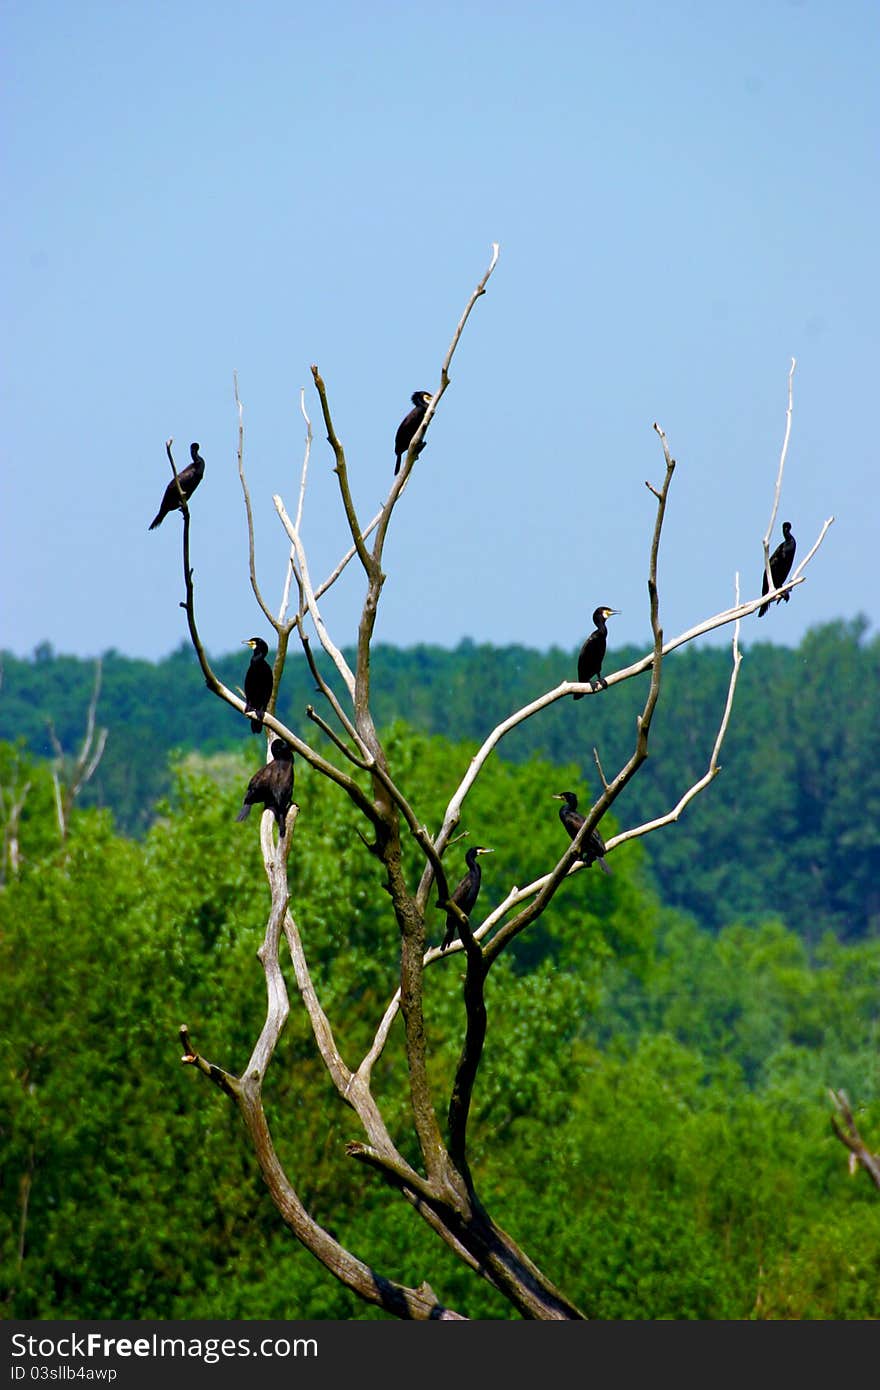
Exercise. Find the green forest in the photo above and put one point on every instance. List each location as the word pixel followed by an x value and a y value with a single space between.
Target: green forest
pixel 652 1117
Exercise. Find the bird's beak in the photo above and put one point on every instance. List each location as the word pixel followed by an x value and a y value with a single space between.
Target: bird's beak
pixel 247 642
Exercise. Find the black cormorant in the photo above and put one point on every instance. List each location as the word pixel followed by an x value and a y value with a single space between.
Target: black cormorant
pixel 272 785
pixel 781 562
pixel 189 480
pixel 257 682
pixel 408 426
pixel 464 895
pixel 592 653
pixel 593 847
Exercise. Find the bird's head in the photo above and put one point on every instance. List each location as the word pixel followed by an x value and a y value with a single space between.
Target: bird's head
pixel 421 398
pixel 569 798
pixel 786 529
pixel 281 751
pixel 193 452
pixel 256 645
pixel 603 613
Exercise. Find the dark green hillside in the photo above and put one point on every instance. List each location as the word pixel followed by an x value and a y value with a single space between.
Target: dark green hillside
pixel 791 826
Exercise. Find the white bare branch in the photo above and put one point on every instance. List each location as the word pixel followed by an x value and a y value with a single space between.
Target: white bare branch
pixel 252 564
pixel 559 692
pixel 712 770
pixel 326 640
pixel 778 489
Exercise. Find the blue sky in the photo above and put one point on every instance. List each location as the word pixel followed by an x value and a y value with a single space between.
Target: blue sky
pixel 686 197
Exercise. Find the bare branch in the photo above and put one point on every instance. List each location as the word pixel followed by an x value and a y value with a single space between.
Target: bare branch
pixel 305 466
pixel 330 697
pixel 341 471
pixel 399 482
pixel 327 642
pixel 566 688
pixel 79 770
pixel 712 770
pixel 778 489
pixel 252 568
pixel 509 930
pixel 848 1135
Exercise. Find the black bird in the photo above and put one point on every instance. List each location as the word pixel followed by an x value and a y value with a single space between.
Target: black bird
pixel 272 785
pixel 593 847
pixel 408 426
pixel 189 480
pixel 592 653
pixel 464 895
pixel 257 682
pixel 781 562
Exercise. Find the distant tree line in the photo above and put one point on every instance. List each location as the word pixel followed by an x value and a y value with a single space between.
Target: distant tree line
pixel 792 825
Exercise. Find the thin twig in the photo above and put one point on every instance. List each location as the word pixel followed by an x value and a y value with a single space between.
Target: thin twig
pixel 252 566
pixel 327 642
pixel 341 471
pixel 777 493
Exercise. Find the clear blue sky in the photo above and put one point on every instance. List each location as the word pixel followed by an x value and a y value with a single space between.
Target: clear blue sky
pixel 686 196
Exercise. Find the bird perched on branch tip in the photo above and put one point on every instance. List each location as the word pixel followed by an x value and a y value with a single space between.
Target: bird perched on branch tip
pixel 188 479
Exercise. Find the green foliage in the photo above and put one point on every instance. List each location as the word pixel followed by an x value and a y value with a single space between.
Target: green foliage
pixel 650 1120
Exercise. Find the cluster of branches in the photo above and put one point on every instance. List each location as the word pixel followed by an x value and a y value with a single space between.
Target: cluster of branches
pixel 441 1188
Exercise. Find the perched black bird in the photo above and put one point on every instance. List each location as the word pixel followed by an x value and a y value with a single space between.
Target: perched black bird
pixel 257 682
pixel 408 426
pixel 464 895
pixel 189 480
pixel 781 562
pixel 592 653
pixel 272 785
pixel 593 847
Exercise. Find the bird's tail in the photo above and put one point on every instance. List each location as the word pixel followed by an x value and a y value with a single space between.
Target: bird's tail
pixel 451 929
pixel 602 865
pixel 763 609
pixel 578 696
pixel 156 519
pixel 256 725
pixel 244 812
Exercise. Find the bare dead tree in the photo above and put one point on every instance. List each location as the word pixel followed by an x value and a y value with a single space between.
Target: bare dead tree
pixel 13 799
pixel 70 775
pixel 441 1185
